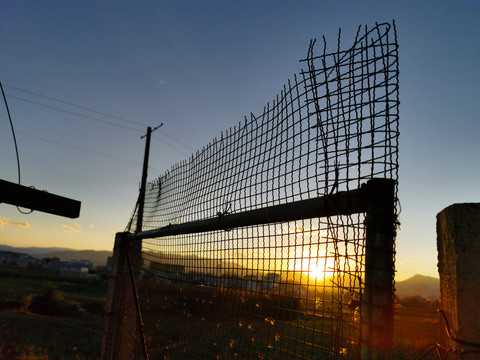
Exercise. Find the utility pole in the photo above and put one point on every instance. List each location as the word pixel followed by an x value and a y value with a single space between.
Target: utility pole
pixel 141 196
pixel 135 248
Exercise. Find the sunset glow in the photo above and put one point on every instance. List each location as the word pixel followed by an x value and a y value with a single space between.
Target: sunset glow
pixel 316 268
pixel 318 272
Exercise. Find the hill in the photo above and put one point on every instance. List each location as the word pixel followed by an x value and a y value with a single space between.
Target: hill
pixel 32 250
pixel 98 258
pixel 419 285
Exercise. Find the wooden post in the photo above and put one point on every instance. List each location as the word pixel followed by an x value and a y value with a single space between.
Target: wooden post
pixel 34 199
pixel 141 195
pixel 377 318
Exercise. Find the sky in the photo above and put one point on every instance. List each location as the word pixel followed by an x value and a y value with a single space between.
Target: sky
pixel 84 79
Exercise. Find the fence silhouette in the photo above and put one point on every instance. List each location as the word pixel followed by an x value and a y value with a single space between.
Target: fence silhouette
pixel 276 240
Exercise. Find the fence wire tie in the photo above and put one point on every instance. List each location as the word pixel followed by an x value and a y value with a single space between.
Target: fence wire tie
pixel 335 184
pixel 220 216
pixel 226 211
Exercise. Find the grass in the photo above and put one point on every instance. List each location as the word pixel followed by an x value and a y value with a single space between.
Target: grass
pixel 68 335
pixel 177 327
pixel 416 328
pixel 180 324
pixel 225 323
pixel 48 337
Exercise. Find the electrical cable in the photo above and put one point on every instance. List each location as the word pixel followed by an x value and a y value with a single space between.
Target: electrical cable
pixel 178 141
pixel 95 152
pixel 76 147
pixel 75 105
pixel 87 109
pixel 15 141
pixel 13 132
pixel 171 146
pixel 102 121
pixel 74 113
pixel 79 115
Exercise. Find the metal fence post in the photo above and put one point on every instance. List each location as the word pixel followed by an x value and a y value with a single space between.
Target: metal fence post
pixel 377 320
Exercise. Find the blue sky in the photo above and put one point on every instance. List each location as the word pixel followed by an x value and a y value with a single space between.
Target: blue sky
pixel 200 67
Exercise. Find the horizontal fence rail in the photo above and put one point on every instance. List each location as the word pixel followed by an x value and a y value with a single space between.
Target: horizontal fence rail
pixel 342 203
pixel 275 240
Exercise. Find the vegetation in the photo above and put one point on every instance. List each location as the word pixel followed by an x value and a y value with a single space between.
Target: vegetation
pixel 52 317
pixel 208 301
pixel 50 301
pixel 203 322
pixel 45 316
pixel 416 327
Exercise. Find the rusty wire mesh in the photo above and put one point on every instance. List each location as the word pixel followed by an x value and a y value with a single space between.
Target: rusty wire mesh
pixel 277 290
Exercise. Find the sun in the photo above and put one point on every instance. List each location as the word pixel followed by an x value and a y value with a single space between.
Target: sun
pixel 316 272
pixel 320 269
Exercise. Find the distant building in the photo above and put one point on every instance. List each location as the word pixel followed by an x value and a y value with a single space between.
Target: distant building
pixel 9 259
pixel 270 281
pixel 18 260
pixel 80 264
pixel 52 264
pixel 81 268
pixel 166 268
pixel 272 277
pixel 163 272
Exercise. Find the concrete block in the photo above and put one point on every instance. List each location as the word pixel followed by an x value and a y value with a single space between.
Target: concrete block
pixel 458 245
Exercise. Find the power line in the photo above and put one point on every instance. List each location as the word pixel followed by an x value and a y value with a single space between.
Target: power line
pixel 74 113
pixel 75 147
pixel 87 109
pixel 94 152
pixel 94 118
pixel 171 146
pixel 178 141
pixel 75 105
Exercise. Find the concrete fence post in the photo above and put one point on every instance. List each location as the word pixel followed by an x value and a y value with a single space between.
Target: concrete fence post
pixel 120 325
pixel 458 244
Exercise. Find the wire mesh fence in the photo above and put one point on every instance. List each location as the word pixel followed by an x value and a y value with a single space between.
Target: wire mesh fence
pixel 272 287
pixel 273 291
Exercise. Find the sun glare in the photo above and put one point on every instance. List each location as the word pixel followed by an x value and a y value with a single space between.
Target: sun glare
pixel 316 272
pixel 321 269
pixel 318 268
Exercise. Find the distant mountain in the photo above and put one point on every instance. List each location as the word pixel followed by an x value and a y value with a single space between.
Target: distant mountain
pixel 419 285
pixel 98 258
pixel 32 250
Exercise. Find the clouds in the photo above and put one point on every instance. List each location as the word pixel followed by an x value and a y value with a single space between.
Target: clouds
pixel 75 228
pixel 22 224
pixel 410 262
pixel 69 228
